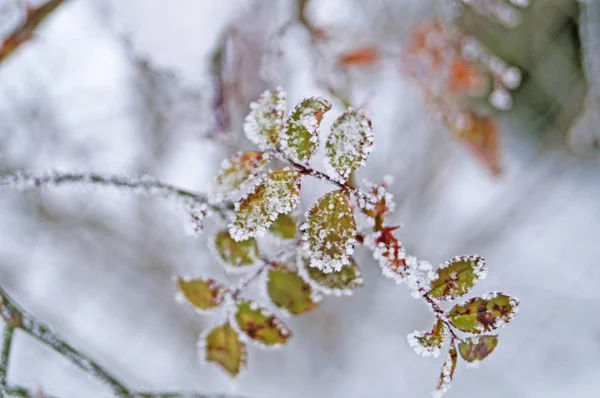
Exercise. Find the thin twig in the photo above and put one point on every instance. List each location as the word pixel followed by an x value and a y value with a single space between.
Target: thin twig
pixel 141 185
pixel 24 321
pixel 24 32
pixel 7 338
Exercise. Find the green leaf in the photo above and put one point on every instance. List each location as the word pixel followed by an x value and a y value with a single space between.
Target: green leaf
pixel 284 226
pixel 349 143
pixel 448 369
pixel 289 291
pixel 299 138
pixel 429 343
pixel 236 253
pixel 259 325
pixel 330 232
pixel 337 283
pixel 222 345
pixel 204 294
pixel 237 171
pixel 483 314
pixel 277 193
pixel 265 121
pixel 456 277
pixel 477 348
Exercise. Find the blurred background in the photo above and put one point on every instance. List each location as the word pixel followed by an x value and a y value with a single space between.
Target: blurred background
pixel 485 115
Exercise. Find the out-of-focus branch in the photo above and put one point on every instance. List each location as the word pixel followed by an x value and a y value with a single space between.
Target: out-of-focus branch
pixel 18 319
pixel 24 32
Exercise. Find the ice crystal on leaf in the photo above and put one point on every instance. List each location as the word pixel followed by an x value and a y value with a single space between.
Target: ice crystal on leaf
pixel 337 283
pixel 483 314
pixel 222 345
pixel 264 123
pixel 330 232
pixel 299 138
pixel 289 291
pixel 285 226
pixel 477 348
pixel 349 144
pixel 276 193
pixel 456 277
pixel 259 325
pixel 428 343
pixel 236 172
pixel 203 293
pixel 447 373
pixel 235 254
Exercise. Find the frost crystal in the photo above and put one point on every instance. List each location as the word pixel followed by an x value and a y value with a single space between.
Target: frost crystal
pixel 299 138
pixel 277 193
pixel 265 121
pixel 330 232
pixel 349 144
pixel 388 251
pixel 447 372
pixel 236 172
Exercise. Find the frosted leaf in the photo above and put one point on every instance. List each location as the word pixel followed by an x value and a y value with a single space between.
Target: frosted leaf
pixel 222 345
pixel 456 277
pixel 299 138
pixel 477 348
pixel 330 232
pixel 428 343
pixel 349 144
pixel 196 214
pixel 447 373
pixel 265 121
pixel 289 291
pixel 236 253
pixel 378 204
pixel 236 172
pixel 277 193
pixel 337 283
pixel 285 226
pixel 260 325
pixel 203 293
pixel 483 314
pixel 388 251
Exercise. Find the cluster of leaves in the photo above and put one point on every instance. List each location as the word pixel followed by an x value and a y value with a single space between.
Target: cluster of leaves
pixel 457 75
pixel 316 259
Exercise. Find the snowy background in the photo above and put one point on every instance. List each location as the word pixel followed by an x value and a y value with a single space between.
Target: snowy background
pixel 124 86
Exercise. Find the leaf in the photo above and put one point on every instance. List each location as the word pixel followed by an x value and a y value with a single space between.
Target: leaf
pixel 456 277
pixel 277 193
pixel 265 121
pixel 236 253
pixel 289 291
pixel 222 345
pixel 337 283
pixel 204 294
pixel 237 171
pixel 363 56
pixel 284 226
pixel 259 325
pixel 330 232
pixel 389 252
pixel 477 348
pixel 447 371
pixel 426 344
pixel 481 137
pixel 483 314
pixel 349 144
pixel 299 138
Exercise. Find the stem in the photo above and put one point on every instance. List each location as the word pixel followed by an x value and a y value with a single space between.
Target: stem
pixel 440 313
pixel 45 335
pixel 7 339
pixel 141 185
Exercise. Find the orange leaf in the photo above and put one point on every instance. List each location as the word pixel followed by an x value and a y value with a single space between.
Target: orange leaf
pixel 360 57
pixel 481 137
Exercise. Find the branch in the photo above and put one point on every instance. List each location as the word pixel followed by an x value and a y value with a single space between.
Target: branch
pixel 24 32
pixel 7 338
pixel 148 186
pixel 17 318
